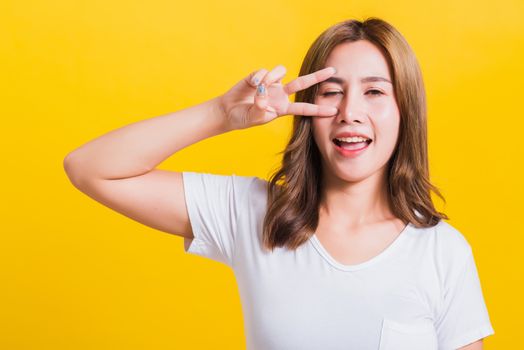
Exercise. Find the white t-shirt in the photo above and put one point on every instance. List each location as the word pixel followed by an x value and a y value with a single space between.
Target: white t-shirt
pixel 422 292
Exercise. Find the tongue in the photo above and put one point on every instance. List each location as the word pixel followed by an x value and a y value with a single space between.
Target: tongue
pixel 353 145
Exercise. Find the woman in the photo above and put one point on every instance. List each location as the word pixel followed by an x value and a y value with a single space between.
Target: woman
pixel 342 248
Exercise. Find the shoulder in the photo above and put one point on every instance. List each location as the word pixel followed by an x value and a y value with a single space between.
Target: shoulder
pixel 232 187
pixel 449 248
pixel 450 241
pixel 257 183
pixel 252 187
pixel 257 192
pixel 248 192
pixel 237 183
pixel 443 244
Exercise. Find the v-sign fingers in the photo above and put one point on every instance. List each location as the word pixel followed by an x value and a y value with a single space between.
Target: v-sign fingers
pixel 308 80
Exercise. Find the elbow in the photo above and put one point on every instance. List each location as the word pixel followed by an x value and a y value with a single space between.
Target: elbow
pixel 66 163
pixel 72 170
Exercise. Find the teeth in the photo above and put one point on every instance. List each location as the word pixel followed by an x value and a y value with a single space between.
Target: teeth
pixel 352 139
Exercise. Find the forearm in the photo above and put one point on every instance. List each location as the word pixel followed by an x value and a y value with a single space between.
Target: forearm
pixel 138 148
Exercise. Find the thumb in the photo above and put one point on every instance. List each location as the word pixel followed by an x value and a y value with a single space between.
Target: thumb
pixel 258 109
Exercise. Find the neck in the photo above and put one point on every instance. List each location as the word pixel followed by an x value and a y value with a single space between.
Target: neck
pixel 355 204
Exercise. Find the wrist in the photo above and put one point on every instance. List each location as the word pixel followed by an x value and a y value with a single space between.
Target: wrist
pixel 219 112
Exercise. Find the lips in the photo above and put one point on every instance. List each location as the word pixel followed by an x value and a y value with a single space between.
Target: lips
pixel 352 134
pixel 354 152
pixel 339 143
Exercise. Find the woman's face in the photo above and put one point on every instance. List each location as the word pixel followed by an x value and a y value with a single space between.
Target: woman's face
pixel 365 107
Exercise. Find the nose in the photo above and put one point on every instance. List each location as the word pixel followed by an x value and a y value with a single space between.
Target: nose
pixel 350 112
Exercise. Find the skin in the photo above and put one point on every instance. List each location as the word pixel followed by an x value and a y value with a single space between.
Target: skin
pixel 129 182
pixel 478 345
pixel 357 185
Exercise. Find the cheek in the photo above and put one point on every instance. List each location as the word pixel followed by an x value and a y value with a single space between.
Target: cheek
pixel 387 128
pixel 386 124
pixel 320 128
pixel 384 108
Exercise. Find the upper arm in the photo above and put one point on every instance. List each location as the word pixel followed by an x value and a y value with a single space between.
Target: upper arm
pixel 155 199
pixel 478 345
pixel 461 317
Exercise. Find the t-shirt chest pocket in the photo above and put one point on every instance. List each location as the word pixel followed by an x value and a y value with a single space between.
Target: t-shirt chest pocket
pixel 408 336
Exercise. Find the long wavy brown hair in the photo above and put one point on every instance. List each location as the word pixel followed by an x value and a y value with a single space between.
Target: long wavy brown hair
pixel 294 190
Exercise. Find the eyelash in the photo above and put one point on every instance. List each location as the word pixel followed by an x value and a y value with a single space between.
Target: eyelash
pixel 337 92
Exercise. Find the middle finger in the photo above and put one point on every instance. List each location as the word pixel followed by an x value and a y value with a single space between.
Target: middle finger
pixel 308 80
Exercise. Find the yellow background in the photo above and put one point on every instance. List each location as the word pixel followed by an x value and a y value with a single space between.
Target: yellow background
pixel 77 275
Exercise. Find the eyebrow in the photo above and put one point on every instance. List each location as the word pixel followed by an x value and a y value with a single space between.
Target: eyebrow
pixel 341 81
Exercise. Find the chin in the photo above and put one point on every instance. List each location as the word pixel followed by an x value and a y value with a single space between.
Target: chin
pixel 352 176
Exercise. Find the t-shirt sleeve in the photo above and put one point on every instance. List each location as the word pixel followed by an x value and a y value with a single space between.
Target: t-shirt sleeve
pixel 214 204
pixel 463 318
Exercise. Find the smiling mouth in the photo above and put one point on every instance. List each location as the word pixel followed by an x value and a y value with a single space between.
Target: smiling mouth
pixel 351 145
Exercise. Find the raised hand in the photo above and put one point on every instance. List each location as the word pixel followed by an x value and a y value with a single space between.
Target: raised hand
pixel 260 97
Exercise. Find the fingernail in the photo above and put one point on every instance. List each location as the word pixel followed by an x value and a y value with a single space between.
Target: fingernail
pixel 335 70
pixel 261 89
pixel 255 81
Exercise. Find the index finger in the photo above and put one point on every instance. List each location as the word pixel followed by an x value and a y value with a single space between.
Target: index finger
pixel 308 80
pixel 311 109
